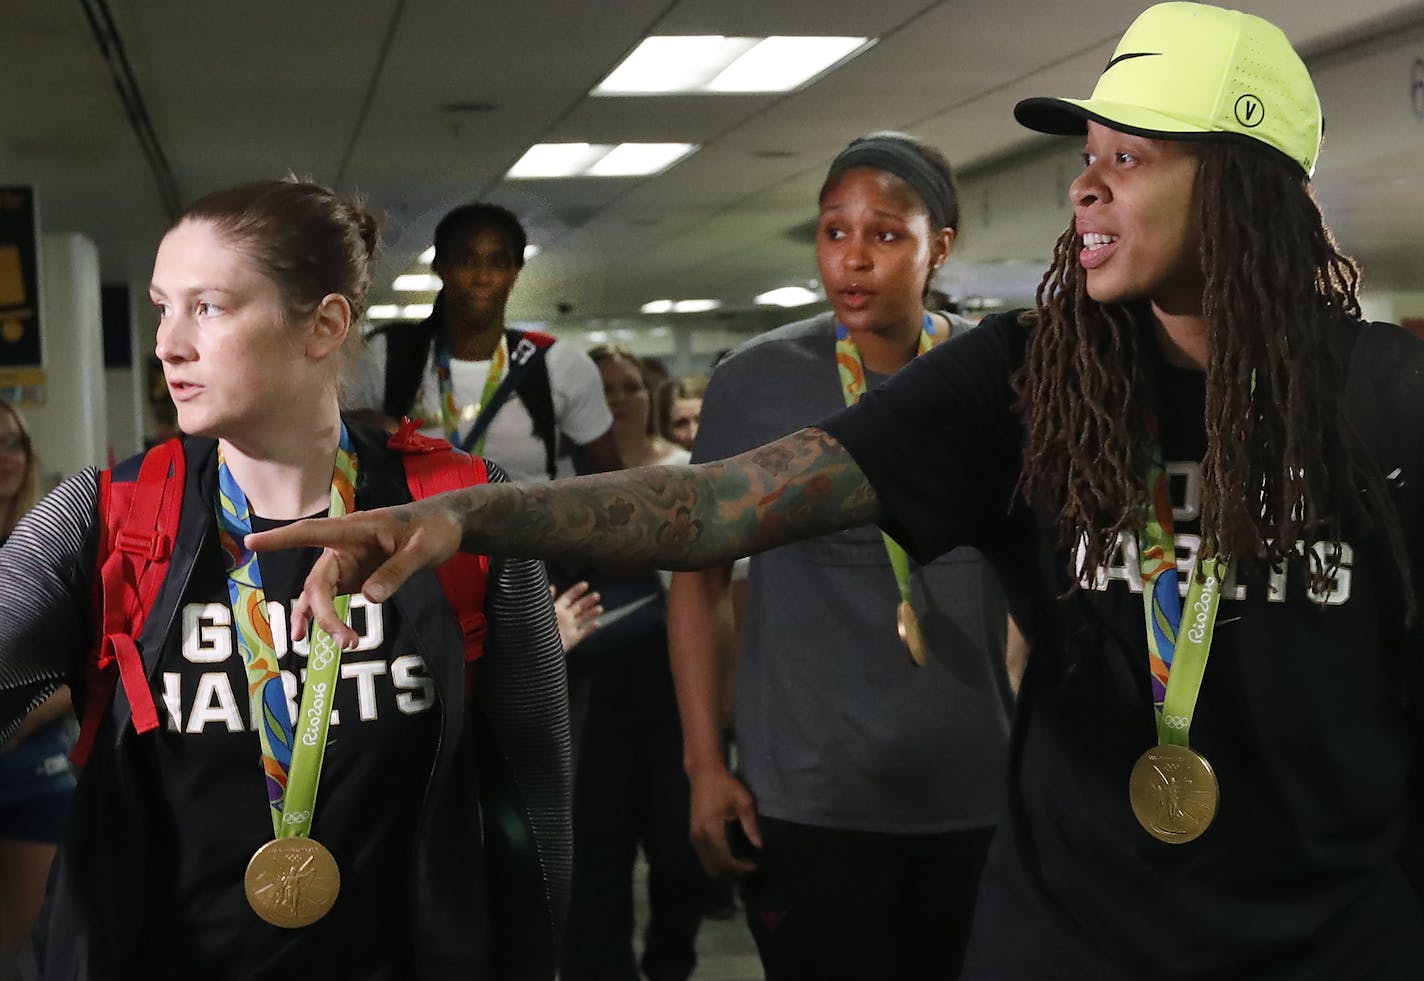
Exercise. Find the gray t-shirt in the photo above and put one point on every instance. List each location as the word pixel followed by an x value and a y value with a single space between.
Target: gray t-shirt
pixel 836 726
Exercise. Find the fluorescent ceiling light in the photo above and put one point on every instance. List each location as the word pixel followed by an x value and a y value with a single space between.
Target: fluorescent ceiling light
pixel 788 296
pixel 639 159
pixel 416 283
pixel 392 311
pixel 550 160
pixel 557 160
pixel 781 64
pixel 428 256
pixel 695 306
pixel 680 306
pixel 713 63
pixel 666 63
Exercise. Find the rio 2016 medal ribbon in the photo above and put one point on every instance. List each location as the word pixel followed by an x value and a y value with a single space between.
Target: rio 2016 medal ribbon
pixel 852 372
pixel 292 882
pixel 1173 792
pixel 1172 788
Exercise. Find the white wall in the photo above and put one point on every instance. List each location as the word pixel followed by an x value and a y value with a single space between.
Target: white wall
pixel 1392 306
pixel 70 430
pixel 127 405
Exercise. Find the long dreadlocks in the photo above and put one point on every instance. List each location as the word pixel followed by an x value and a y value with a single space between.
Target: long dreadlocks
pixel 1281 468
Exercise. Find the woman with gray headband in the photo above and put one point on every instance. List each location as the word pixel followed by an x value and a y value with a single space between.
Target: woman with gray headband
pixel 869 770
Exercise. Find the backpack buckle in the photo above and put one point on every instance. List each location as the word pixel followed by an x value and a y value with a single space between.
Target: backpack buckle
pixel 409 439
pixel 473 628
pixel 523 351
pixel 153 546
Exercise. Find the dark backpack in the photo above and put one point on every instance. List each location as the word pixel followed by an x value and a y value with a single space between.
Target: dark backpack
pixel 408 350
pixel 138 522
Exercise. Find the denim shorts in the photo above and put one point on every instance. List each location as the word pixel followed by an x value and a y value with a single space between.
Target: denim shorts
pixel 36 784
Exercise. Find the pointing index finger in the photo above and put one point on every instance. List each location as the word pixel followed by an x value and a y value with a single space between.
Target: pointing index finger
pixel 308 533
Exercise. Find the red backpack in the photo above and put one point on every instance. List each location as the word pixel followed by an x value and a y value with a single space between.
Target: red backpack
pixel 139 522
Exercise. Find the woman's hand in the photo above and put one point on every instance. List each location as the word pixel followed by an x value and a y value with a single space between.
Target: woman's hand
pixel 723 811
pixel 373 551
pixel 577 609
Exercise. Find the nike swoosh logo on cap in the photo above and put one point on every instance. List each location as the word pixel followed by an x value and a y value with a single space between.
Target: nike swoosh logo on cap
pixel 1131 54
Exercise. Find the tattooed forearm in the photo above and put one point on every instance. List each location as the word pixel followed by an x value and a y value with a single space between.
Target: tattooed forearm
pixel 676 517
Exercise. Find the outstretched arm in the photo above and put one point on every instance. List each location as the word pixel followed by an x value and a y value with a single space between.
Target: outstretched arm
pixel 798 487
pixel 684 517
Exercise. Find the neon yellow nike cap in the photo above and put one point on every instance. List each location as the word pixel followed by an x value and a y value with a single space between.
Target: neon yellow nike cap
pixel 1193 71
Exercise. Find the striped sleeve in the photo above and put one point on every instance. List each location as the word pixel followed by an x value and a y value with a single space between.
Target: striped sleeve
pixel 46 621
pixel 523 694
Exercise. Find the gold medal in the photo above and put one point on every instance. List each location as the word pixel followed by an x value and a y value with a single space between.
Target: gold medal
pixel 908 624
pixel 1174 793
pixel 292 882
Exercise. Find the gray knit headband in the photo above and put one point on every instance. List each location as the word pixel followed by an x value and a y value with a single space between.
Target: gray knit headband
pixel 905 162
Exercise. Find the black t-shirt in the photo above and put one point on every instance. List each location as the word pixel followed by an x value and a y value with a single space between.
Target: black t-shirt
pixel 380 750
pixel 1302 711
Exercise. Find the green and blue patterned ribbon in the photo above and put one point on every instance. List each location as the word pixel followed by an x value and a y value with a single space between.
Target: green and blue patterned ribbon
pixel 1176 652
pixel 291 754
pixel 449 411
pixel 852 375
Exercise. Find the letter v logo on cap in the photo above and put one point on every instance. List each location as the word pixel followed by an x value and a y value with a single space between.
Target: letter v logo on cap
pixel 1250 111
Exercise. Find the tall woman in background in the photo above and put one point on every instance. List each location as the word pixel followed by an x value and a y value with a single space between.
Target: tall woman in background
pixel 868 784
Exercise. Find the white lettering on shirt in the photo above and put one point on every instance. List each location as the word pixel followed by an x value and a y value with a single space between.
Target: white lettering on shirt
pixel 219 695
pixel 213 702
pixel 365 673
pixel 415 691
pixel 1184 491
pixel 207 632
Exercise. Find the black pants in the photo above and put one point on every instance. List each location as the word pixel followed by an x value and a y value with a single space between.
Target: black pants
pixel 630 790
pixel 829 905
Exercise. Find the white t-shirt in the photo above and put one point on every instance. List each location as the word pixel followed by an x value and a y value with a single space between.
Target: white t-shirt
pixel 580 409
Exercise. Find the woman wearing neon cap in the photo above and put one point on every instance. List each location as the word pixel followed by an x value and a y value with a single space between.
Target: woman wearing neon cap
pixel 1195 384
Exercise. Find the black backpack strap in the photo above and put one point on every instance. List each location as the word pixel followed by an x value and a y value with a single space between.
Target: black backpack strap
pixel 525 357
pixel 538 398
pixel 407 351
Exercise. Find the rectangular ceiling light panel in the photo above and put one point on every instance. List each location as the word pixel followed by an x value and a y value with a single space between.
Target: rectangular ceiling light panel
pixel 552 160
pixel 664 65
pixel 639 159
pixel 416 283
pixel 783 64
pixel 428 256
pixel 544 160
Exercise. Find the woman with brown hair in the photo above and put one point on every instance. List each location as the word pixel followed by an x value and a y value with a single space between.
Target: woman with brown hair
pixel 17 469
pixel 258 805
pixel 679 408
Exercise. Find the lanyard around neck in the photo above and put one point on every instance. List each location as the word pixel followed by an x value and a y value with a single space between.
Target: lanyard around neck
pixel 449 411
pixel 291 754
pixel 853 386
pixel 1177 650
